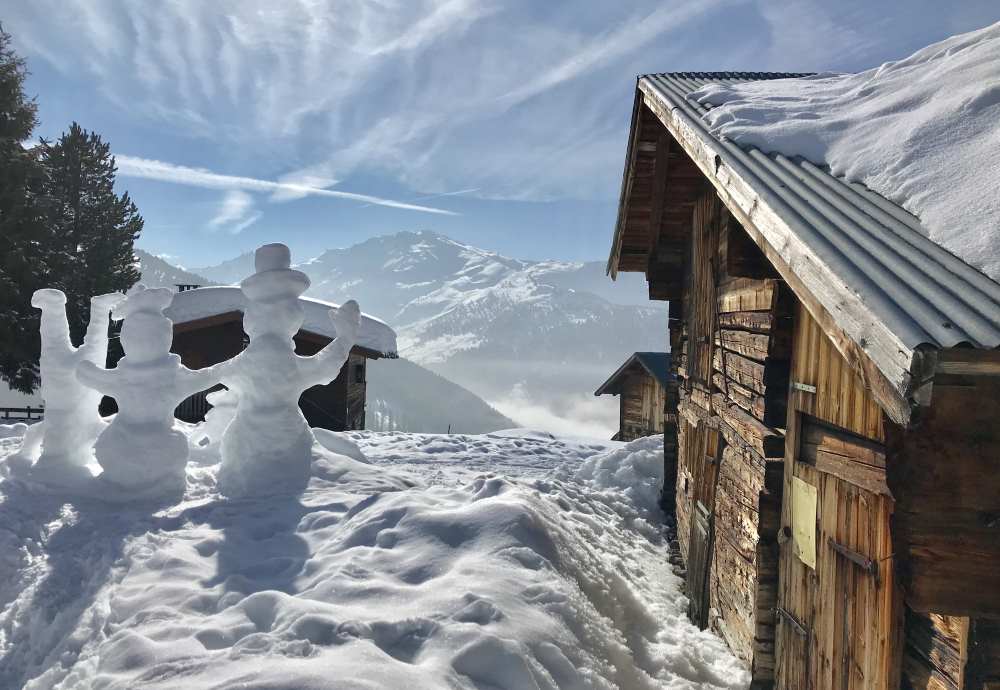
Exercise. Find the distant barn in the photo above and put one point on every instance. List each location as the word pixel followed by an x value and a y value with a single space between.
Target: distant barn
pixel 208 329
pixel 641 384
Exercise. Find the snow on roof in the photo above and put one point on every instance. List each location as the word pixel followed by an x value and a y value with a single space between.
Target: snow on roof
pixel 192 305
pixel 921 132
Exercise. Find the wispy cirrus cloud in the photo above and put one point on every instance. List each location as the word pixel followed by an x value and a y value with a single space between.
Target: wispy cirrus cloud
pixel 132 166
pixel 520 99
pixel 236 212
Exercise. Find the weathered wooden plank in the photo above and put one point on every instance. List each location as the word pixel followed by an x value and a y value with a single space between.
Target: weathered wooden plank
pixel 750 400
pixel 757 346
pixel 855 460
pixel 750 373
pixel 756 321
pixel 744 294
pixel 932 640
pixel 768 442
pixel 841 398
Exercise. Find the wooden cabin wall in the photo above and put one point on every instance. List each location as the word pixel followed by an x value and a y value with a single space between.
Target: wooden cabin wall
pixel 340 404
pixel 671 394
pixel 734 339
pixel 356 387
pixel 641 405
pixel 202 347
pixel 951 652
pixel 840 622
pixel 935 651
pixel 945 481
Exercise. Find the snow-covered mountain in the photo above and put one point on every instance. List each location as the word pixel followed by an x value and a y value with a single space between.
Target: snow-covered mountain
pixel 158 273
pixel 533 338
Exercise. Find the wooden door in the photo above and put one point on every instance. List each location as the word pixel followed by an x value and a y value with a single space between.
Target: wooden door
pixel 840 627
pixel 707 452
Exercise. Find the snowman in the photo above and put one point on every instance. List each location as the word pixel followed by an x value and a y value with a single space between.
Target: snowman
pixel 142 452
pixel 267 448
pixel 64 441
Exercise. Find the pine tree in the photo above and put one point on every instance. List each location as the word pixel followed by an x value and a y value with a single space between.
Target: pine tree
pixel 93 228
pixel 24 258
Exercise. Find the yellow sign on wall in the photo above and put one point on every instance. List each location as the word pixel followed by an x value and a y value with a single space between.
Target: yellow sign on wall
pixel 804 521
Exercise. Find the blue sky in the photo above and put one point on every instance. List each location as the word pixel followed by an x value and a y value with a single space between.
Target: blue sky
pixel 320 124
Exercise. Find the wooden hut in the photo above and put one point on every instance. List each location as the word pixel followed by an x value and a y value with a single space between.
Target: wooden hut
pixel 641 383
pixel 837 458
pixel 208 329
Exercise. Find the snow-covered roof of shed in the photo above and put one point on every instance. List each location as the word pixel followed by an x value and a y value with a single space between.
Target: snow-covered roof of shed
pixel 201 303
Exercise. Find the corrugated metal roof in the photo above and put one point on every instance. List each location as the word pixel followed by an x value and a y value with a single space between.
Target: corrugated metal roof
pixel 921 292
pixel 656 363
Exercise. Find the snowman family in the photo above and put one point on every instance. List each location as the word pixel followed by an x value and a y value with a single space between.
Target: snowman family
pixel 266 446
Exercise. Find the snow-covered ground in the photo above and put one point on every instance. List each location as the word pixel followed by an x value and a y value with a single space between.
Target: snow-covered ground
pixel 510 560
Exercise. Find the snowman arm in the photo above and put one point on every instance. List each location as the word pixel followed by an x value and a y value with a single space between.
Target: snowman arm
pixel 102 380
pixel 191 381
pixel 326 364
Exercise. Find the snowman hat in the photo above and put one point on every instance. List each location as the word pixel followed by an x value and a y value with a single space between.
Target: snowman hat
pixel 144 300
pixel 274 279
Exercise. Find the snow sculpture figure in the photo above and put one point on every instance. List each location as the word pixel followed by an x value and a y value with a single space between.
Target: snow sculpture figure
pixel 72 421
pixel 268 446
pixel 142 453
pixel 208 438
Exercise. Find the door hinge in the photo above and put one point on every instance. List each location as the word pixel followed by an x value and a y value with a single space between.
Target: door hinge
pixel 784 615
pixel 860 560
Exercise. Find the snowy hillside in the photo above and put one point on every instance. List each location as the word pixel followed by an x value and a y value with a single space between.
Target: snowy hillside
pixel 532 338
pixel 511 561
pixel 399 395
pixel 158 273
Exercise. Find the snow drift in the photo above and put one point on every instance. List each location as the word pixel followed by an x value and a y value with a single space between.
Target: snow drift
pixel 548 577
pixel 923 132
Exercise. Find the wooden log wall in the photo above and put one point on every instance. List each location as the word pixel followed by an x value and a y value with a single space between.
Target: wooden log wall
pixel 642 403
pixel 732 342
pixel 947 485
pixel 935 651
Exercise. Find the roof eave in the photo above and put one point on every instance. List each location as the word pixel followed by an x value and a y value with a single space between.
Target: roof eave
pixel 612 266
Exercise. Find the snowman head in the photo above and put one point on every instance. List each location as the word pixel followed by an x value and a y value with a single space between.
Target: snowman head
pixel 273 293
pixel 147 333
pixel 275 317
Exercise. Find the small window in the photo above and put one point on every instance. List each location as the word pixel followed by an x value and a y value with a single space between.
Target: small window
pixel 359 373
